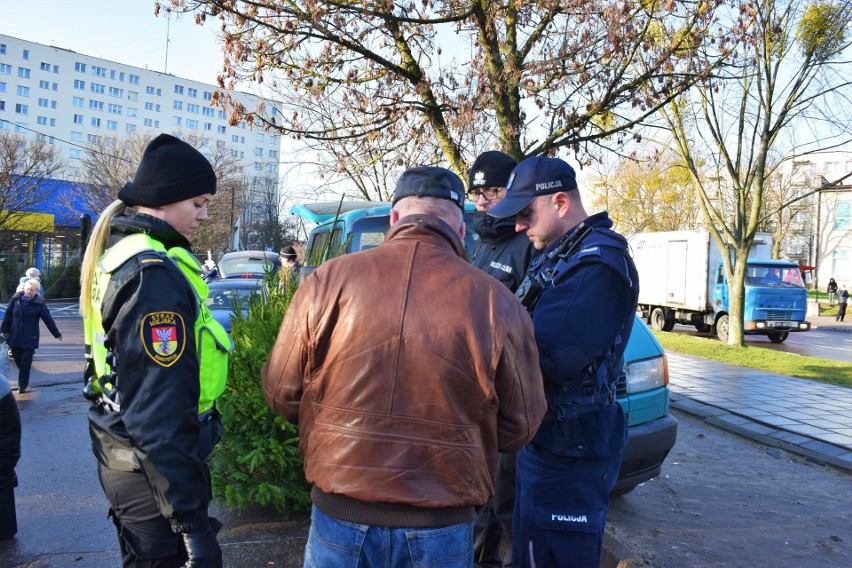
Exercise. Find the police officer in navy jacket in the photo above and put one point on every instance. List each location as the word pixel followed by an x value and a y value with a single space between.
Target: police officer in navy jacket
pixel 582 293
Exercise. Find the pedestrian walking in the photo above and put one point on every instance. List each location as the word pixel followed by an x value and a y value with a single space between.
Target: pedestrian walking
pixel 157 361
pixel 402 407
pixel 832 291
pixel 842 301
pixel 31 274
pixel 582 292
pixel 21 328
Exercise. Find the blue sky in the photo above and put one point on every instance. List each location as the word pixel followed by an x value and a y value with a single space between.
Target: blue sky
pixel 125 31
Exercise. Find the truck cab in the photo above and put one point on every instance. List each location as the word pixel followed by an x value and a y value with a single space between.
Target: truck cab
pixel 643 391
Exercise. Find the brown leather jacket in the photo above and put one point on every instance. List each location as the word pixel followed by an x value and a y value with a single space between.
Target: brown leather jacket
pixel 407 368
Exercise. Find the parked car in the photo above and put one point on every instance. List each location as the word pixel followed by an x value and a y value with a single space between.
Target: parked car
pixel 248 264
pixel 643 390
pixel 230 295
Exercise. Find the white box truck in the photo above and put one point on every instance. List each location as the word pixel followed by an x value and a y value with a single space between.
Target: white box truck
pixel 682 280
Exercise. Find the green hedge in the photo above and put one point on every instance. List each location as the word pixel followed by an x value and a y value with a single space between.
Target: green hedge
pixel 257 462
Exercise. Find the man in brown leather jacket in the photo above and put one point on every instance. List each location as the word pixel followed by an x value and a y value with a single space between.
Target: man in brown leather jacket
pixel 407 369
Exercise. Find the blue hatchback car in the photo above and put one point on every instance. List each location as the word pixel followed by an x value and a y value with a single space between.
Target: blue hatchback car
pixel 643 390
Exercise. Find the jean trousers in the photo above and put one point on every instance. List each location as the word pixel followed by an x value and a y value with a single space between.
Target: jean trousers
pixel 340 544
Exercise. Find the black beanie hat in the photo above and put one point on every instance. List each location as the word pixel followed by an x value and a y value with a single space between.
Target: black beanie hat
pixel 491 169
pixel 170 171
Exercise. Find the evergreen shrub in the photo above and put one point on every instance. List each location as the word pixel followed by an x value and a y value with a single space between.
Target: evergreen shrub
pixel 257 462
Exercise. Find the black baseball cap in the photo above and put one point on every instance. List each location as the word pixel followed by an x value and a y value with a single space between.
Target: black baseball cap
pixel 534 176
pixel 430 181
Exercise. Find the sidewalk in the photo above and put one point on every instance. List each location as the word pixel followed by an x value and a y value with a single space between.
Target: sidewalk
pixel 803 417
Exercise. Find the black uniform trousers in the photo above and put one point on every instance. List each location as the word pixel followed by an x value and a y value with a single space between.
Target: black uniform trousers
pixel 144 535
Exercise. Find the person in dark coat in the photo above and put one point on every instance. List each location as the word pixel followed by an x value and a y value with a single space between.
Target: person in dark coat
pixel 10 453
pixel 20 326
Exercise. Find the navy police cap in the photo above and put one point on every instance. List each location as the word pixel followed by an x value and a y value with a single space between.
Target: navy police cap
pixel 534 176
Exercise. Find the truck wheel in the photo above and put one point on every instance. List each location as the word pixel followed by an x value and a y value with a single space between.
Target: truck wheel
pixel 722 329
pixel 658 320
pixel 778 337
pixel 703 327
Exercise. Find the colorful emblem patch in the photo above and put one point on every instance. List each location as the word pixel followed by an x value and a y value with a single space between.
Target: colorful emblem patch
pixel 164 337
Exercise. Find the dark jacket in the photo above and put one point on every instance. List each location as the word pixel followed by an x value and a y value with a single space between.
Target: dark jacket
pixel 407 368
pixel 21 323
pixel 500 251
pixel 158 425
pixel 10 436
pixel 587 315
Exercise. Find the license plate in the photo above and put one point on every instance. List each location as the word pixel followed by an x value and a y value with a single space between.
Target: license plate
pixel 778 323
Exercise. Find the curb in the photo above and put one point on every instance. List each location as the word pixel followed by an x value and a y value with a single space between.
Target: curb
pixel 813 450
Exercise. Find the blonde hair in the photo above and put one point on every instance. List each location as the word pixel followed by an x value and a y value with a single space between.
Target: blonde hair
pixel 32 283
pixel 94 250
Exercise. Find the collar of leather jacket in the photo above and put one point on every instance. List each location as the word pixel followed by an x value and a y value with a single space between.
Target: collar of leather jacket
pixel 426 227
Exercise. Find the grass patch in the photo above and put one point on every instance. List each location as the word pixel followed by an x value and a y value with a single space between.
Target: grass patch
pixel 812 368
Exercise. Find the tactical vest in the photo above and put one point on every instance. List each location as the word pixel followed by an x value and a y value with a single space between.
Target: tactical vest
pixel 213 344
pixel 597 385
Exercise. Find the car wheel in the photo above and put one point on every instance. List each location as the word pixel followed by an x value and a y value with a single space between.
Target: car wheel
pixel 658 320
pixel 778 337
pixel 722 328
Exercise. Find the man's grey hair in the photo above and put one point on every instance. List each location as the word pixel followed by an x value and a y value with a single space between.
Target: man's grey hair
pixel 445 209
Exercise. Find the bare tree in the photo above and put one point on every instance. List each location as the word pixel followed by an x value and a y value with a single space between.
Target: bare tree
pixel 655 193
pixel 787 71
pixel 453 77
pixel 107 164
pixel 25 163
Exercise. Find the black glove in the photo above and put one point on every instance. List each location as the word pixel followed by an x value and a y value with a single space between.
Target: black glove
pixel 202 549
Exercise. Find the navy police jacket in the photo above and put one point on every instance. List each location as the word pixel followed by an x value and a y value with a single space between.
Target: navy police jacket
pixel 582 321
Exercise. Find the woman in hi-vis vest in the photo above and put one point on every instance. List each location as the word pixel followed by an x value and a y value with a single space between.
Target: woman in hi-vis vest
pixel 156 361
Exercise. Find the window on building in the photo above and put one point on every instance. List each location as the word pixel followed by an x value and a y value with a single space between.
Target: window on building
pixel 220 129
pixel 133 79
pixel 116 92
pixel 97 88
pixel 112 125
pixel 191 123
pixel 208 126
pixel 78 119
pixel 235 138
pixel 177 105
pixel 843 215
pixel 75 153
pixel 192 108
pixel 132 95
pixel 99 71
pixel 190 92
pixel 148 122
pixel 93 138
pixel 81 67
pixel 26 54
pixel 5 69
pixel 21 109
pixel 23 91
pixel 45 66
pixel 208 96
pixel 258 151
pixel 21 127
pixel 2 87
pixel 52 104
pixel 113 109
pixel 23 72
pixel 96 105
pixel 56 68
pixel 43 103
pixel 42 120
pixel 176 120
pixel 131 111
pixel 207 111
pixel 178 89
pixel 130 128
pixel 54 86
pixel 77 102
pixel 52 122
pixel 221 114
pixel 44 85
pixel 96 123
pixel 2 49
pixel 78 84
pixel 273 153
pixel 260 136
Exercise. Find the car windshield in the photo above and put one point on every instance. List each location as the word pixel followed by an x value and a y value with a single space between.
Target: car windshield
pixel 772 275
pixel 227 298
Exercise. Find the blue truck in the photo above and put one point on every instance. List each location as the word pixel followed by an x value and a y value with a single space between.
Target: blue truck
pixel 682 280
pixel 643 391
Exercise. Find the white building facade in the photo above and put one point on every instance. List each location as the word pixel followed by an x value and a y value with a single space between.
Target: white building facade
pixel 70 100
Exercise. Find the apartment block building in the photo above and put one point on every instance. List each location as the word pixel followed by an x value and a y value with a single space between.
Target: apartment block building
pixel 70 100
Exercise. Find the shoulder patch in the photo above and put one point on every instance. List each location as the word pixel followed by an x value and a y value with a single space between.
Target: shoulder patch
pixel 163 336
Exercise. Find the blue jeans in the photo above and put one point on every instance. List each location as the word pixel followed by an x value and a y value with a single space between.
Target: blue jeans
pixel 339 544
